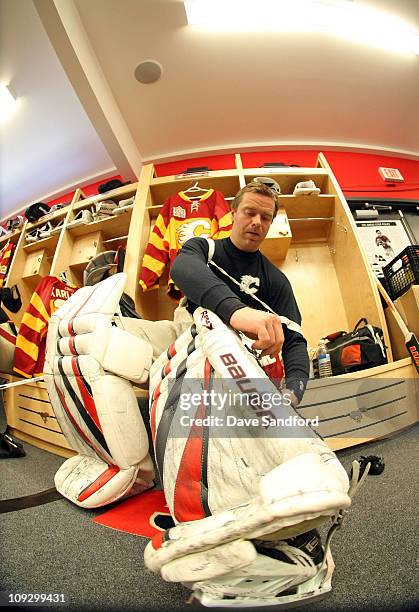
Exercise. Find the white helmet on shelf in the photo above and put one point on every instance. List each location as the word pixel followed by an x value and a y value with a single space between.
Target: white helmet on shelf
pixel 269 182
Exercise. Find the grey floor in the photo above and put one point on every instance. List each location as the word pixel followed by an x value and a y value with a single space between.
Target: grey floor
pixel 56 548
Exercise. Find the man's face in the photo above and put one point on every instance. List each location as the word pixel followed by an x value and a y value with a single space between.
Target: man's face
pixel 251 221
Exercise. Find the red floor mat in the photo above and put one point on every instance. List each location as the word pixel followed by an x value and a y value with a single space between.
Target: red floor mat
pixel 144 515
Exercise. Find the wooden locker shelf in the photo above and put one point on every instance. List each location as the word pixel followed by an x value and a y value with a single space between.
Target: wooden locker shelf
pixel 121 193
pixel 310 230
pixel 287 178
pixel 13 237
pixel 110 227
pixel 49 244
pixel 54 217
pixel 301 207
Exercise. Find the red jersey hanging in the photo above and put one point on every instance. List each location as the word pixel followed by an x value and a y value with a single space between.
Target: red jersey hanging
pixel 48 296
pixel 180 219
pixel 5 260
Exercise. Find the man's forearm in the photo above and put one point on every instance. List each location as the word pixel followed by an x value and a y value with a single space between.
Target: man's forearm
pixel 296 363
pixel 201 286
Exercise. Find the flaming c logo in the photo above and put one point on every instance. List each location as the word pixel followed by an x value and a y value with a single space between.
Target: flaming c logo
pixel 191 229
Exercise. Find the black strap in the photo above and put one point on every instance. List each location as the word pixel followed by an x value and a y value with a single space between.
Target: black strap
pixel 363 320
pixel 120 259
pixel 29 501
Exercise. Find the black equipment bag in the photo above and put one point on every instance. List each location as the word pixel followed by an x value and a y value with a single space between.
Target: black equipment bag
pixel 357 350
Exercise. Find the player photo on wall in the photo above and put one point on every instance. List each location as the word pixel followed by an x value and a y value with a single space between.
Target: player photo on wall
pixel 383 241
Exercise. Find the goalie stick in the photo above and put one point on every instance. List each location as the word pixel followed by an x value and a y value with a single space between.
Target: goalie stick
pixel 411 341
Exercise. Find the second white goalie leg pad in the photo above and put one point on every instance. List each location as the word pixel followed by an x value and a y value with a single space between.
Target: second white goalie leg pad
pixel 301 489
pixel 96 409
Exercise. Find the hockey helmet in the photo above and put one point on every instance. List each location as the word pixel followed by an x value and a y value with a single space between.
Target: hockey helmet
pixel 269 182
pixel 99 268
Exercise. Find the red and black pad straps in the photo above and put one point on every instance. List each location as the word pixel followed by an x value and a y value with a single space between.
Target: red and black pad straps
pixel 88 419
pixel 190 501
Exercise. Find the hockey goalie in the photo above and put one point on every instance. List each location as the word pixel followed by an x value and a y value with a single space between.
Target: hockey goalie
pixel 246 493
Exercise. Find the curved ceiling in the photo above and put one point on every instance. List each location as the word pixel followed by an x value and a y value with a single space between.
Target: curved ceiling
pixel 217 91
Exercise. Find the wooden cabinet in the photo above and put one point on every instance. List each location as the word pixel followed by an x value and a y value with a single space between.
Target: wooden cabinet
pixel 359 407
pixel 313 240
pixel 31 418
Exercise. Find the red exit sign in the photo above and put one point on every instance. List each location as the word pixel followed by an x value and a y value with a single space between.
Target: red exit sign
pixel 391 174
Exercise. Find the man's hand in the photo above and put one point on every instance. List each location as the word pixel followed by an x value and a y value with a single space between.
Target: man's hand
pixel 264 327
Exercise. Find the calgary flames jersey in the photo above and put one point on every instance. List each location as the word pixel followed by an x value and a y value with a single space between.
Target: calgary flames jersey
pixel 5 259
pixel 180 219
pixel 48 296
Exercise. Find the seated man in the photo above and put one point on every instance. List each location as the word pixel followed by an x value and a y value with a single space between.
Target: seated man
pixel 244 288
pixel 244 505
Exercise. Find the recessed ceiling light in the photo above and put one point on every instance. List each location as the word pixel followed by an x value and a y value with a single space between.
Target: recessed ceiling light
pixel 7 103
pixel 354 21
pixel 148 71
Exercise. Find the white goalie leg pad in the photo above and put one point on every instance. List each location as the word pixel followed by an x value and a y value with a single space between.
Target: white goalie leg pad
pixel 231 466
pixel 255 585
pixel 97 410
pixel 301 489
pixel 246 488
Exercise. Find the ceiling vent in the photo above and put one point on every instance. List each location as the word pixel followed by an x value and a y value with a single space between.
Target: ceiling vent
pixel 148 71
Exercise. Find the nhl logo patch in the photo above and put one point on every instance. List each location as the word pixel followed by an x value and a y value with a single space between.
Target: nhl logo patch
pixel 178 211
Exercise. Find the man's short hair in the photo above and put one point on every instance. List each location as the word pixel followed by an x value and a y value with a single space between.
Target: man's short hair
pixel 255 187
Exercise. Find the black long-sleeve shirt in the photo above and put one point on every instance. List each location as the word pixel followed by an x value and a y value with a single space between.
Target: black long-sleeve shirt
pixel 206 286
